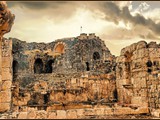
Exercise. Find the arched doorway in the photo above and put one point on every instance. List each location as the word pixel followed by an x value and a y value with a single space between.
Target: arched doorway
pixel 38 66
pixel 59 48
pixel 15 67
pixel 96 56
pixel 48 67
pixel 87 66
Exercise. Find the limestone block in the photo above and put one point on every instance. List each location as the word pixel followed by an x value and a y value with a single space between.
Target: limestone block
pixel 156 113
pixel 133 47
pixel 6 70
pixel 108 111
pixel 141 53
pixel 42 114
pixel 122 110
pixel 5 96
pixel 4 107
pixel 61 114
pixel 52 115
pixel 4 117
pixel 121 82
pixel 141 110
pixel 89 112
pixel 6 62
pixel 6 76
pixel 32 114
pixel 15 115
pixel 22 115
pixel 141 44
pixel 153 53
pixel 73 81
pixel 82 97
pixel 139 82
pixel 141 101
pixel 6 85
pixel 152 45
pixel 80 112
pixel 99 111
pixel 70 97
pixel 41 85
pixel 71 114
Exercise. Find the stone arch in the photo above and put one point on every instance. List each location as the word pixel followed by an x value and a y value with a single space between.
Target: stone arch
pixel 96 56
pixel 15 66
pixel 59 48
pixel 48 66
pixel 38 66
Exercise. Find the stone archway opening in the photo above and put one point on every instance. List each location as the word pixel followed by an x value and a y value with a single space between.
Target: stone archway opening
pixel 38 66
pixel 48 67
pixel 59 48
pixel 96 56
pixel 15 67
pixel 87 66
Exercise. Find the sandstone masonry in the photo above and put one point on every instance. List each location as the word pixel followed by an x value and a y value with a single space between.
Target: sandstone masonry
pixel 76 77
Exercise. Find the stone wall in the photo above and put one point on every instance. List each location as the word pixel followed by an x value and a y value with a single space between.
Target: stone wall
pixel 63 55
pixel 5 88
pixel 61 91
pixel 138 73
pixel 85 113
pixel 6 22
pixel 75 77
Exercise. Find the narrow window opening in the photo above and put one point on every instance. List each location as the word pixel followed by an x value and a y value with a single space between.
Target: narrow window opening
pixel 96 56
pixel 49 66
pixel 87 66
pixel 38 66
pixel 15 67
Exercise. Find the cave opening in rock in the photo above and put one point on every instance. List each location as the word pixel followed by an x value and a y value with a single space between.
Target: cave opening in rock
pixel 38 66
pixel 87 66
pixel 96 56
pixel 48 67
pixel 15 67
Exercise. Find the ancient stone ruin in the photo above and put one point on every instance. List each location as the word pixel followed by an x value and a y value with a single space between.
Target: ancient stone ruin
pixel 76 77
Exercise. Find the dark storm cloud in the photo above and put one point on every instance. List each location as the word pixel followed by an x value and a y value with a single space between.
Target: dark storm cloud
pixel 63 10
pixel 149 36
pixel 115 14
pixel 153 4
pixel 56 11
pixel 36 5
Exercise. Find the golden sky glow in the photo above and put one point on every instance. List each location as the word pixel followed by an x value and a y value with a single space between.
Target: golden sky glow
pixel 117 23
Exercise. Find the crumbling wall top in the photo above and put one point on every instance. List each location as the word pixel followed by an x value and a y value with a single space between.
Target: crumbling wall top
pixel 137 46
pixel 6 18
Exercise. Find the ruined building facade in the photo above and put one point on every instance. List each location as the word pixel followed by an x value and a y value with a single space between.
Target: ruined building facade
pixel 75 77
pixel 69 72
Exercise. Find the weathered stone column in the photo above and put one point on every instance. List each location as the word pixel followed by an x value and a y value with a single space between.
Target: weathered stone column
pixel 6 21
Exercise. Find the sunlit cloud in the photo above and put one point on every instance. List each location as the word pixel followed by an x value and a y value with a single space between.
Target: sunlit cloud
pixel 118 23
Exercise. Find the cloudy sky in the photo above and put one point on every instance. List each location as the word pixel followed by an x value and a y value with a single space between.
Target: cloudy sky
pixel 118 23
